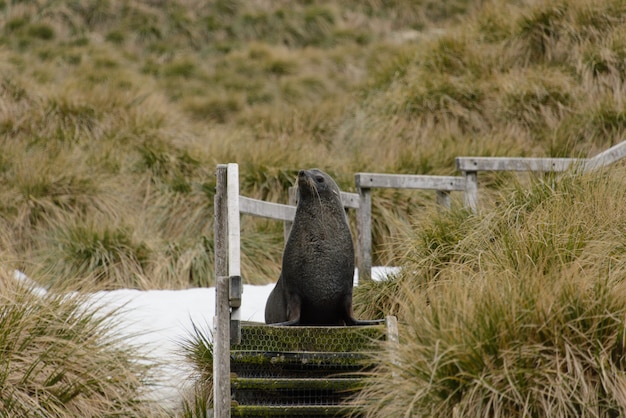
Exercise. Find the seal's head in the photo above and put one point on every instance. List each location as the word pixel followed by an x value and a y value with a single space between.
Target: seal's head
pixel 317 184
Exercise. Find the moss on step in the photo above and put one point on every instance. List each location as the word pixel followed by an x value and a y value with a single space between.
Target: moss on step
pixel 293 364
pixel 298 358
pixel 289 411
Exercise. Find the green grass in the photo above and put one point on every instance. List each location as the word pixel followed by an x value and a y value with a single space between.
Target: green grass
pixel 198 350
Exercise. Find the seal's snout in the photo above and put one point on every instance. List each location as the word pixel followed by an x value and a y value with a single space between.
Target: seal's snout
pixel 303 178
pixel 305 184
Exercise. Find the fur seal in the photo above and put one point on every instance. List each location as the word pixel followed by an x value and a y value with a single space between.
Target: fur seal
pixel 315 283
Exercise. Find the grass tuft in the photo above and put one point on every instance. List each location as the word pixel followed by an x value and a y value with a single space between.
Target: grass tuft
pixel 198 350
pixel 112 257
pixel 60 359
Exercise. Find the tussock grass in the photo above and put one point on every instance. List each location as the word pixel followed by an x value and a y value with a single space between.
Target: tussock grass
pixel 112 257
pixel 508 64
pixel 516 312
pixel 198 350
pixel 61 359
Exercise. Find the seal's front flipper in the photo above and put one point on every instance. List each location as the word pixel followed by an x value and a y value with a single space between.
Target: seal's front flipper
pixel 292 313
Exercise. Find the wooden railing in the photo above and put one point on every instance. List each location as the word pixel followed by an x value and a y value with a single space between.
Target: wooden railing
pixel 470 166
pixel 365 182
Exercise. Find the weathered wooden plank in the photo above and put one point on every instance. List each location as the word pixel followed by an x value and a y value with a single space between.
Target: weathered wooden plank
pixel 265 209
pixel 282 212
pixel 409 181
pixel 221 325
pixel 470 197
pixel 234 230
pixel 234 241
pixel 220 224
pixel 350 200
pixel 514 164
pixel 391 325
pixel 221 350
pixel 443 199
pixel 221 346
pixel 607 157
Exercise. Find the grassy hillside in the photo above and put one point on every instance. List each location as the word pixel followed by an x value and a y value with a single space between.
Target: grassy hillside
pixel 114 114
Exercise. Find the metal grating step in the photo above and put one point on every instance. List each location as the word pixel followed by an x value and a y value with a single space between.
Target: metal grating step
pixel 294 364
pixel 261 337
pixel 300 371
pixel 283 392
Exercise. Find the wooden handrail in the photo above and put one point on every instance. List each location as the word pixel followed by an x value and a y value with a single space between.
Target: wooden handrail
pixel 470 166
pixel 265 209
pixel 606 157
pixel 513 164
pixel 409 181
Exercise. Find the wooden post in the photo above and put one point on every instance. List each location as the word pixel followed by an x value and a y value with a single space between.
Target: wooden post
pixel 364 233
pixel 221 337
pixel 391 324
pixel 221 350
pixel 234 245
pixel 471 190
pixel 234 241
pixel 393 342
pixel 220 224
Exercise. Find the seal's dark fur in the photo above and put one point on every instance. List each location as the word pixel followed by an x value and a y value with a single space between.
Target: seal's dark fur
pixel 315 284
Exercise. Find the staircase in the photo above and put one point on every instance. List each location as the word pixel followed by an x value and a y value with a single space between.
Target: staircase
pixel 300 371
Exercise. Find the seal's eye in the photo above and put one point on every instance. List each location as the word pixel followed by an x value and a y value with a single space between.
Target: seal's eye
pixel 319 179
